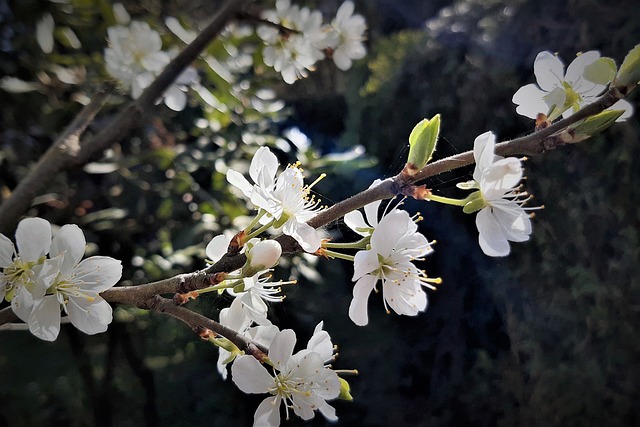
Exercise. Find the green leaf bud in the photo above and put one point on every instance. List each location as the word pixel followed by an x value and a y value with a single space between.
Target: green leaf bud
pixel 629 73
pixel 596 124
pixel 422 144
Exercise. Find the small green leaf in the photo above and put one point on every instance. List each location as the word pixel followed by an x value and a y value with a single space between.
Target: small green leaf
pixel 596 124
pixel 629 73
pixel 345 390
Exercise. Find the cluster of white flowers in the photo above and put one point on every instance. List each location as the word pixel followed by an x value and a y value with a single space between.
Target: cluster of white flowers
pixel 293 53
pixel 40 287
pixel 135 58
pixel 302 381
pixel 562 94
pixel 285 199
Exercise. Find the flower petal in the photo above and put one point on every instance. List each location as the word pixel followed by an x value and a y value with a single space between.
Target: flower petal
pixel 69 241
pixel 549 70
pixel 33 238
pixel 98 273
pixel 239 181
pixel 492 240
pixel 6 252
pixel 217 247
pixel 355 221
pixel 530 101
pixel 268 413
pixel 304 234
pixel 22 303
pixel 250 376
pixel 483 154
pixel 90 316
pixel 281 348
pixel 263 168
pixel 364 262
pixel 44 321
pixel 358 307
pixel 578 65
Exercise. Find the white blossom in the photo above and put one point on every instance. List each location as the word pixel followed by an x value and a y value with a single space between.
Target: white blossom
pixel 300 381
pixel 21 267
pixel 73 286
pixel 347 36
pixel 395 243
pixel 559 93
pixel 285 198
pixel 134 55
pixel 44 32
pixel 503 218
pixel 296 53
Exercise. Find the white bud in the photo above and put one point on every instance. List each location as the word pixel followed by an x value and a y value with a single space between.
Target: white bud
pixel 265 254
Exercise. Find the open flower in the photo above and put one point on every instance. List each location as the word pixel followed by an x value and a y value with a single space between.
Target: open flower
pixel 347 36
pixel 20 269
pixel 285 198
pixel 296 53
pixel 300 381
pixel 395 243
pixel 502 217
pixel 74 287
pixel 558 93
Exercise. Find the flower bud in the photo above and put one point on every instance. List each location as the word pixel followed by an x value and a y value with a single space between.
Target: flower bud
pixel 264 255
pixel 629 73
pixel 422 144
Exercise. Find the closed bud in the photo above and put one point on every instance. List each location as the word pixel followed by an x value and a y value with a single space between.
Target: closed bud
pixel 345 390
pixel 422 144
pixel 629 73
pixel 262 256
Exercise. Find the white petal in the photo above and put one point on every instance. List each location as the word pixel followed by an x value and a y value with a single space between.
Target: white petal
pixel 577 66
pixel 391 228
pixel 175 98
pixel 217 247
pixel 281 348
pixel 250 376
pixel 549 70
pixel 491 239
pixel 33 238
pixel 268 413
pixel 501 177
pixel 305 235
pixel 625 105
pixel 155 61
pixel 328 411
pixel 263 168
pixel 371 211
pixel 355 221
pixel 341 59
pixel 364 262
pixel 530 101
pixel 321 343
pixel 44 321
pixel 91 317
pixel 22 303
pixel 239 181
pixel 483 153
pixel 6 252
pixel 98 273
pixel 358 307
pixel 70 242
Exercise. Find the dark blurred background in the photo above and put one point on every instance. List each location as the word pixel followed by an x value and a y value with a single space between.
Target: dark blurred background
pixel 545 337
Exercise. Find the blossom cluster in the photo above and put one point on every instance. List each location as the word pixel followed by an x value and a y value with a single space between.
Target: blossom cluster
pixel 135 58
pixel 303 39
pixel 39 287
pixel 301 381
